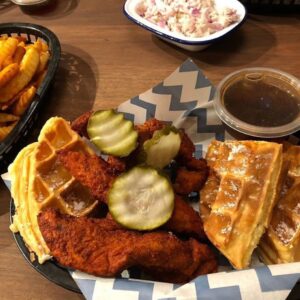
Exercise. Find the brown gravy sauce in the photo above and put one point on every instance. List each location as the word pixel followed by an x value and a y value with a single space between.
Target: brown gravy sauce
pixel 262 104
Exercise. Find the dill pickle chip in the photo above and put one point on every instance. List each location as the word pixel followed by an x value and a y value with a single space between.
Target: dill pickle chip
pixel 141 199
pixel 112 133
pixel 161 149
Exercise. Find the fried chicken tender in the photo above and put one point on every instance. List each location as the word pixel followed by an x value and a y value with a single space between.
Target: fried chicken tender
pixel 193 173
pixel 101 247
pixel 187 148
pixel 116 164
pixel 90 170
pixel 192 177
pixel 147 129
pixel 80 124
pixel 185 220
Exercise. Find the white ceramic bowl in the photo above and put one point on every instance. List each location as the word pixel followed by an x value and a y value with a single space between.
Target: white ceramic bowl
pixel 29 2
pixel 188 43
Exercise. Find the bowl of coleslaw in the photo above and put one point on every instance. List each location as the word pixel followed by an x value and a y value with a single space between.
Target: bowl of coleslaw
pixel 190 24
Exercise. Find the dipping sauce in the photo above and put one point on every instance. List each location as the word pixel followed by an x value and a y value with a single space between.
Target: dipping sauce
pixel 260 102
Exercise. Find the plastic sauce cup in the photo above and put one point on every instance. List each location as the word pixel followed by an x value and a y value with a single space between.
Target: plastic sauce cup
pixel 259 102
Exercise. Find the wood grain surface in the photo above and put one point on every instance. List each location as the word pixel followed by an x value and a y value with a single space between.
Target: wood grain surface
pixel 106 60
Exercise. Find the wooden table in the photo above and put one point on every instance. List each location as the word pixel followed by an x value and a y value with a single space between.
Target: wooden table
pixel 105 60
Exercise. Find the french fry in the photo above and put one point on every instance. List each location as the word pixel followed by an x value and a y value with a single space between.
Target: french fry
pixel 37 45
pixel 44 58
pixel 21 39
pixel 2 42
pixel 8 73
pixel 22 44
pixel 19 53
pixel 6 105
pixel 8 49
pixel 28 67
pixel 8 61
pixel 45 47
pixel 40 78
pixel 25 99
pixel 5 130
pixel 4 118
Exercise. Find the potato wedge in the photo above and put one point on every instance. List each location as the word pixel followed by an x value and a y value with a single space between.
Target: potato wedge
pixel 8 73
pixel 19 53
pixel 5 130
pixel 28 67
pixel 8 61
pixel 45 46
pixel 8 49
pixel 5 118
pixel 22 44
pixel 23 102
pixel 44 58
pixel 39 79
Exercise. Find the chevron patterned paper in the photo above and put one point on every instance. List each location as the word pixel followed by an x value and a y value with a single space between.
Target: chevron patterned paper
pixel 262 283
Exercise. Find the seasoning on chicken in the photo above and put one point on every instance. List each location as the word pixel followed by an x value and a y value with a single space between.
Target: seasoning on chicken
pixel 80 124
pixel 185 220
pixel 192 177
pixel 90 170
pixel 101 247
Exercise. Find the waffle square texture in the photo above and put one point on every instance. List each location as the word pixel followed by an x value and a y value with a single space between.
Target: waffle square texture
pixel 238 197
pixel 39 181
pixel 281 242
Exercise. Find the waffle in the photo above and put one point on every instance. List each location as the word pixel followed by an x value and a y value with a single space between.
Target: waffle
pixel 281 242
pixel 238 197
pixel 39 181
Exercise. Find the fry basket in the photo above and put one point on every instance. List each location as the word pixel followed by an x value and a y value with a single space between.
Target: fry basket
pixel 12 143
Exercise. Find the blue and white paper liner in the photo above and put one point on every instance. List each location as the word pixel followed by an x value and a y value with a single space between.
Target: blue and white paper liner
pixel 184 99
pixel 262 283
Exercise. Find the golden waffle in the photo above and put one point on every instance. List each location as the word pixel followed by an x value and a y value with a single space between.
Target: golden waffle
pixel 25 220
pixel 281 242
pixel 39 181
pixel 237 199
pixel 53 185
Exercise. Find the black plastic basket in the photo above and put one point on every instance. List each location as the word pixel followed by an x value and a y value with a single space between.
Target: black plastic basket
pixel 270 6
pixel 9 145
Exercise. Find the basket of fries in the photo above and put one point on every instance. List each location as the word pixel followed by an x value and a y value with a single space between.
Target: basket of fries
pixel 29 57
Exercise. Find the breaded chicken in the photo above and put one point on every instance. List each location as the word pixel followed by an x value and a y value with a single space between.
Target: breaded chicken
pixel 80 124
pixel 116 164
pixel 185 220
pixel 186 150
pixel 103 248
pixel 192 177
pixel 90 170
pixel 147 129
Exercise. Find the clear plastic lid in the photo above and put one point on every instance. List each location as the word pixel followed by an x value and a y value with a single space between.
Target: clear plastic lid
pixel 259 102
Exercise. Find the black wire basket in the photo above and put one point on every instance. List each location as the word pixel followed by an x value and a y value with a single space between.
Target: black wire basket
pixel 272 6
pixel 11 144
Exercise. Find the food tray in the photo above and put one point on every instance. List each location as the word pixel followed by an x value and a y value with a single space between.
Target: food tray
pixel 272 5
pixel 184 98
pixel 10 145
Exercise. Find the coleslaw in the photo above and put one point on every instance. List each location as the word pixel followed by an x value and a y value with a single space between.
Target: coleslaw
pixel 190 18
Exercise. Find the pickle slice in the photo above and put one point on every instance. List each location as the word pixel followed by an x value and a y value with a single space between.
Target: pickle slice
pixel 161 149
pixel 111 133
pixel 141 199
